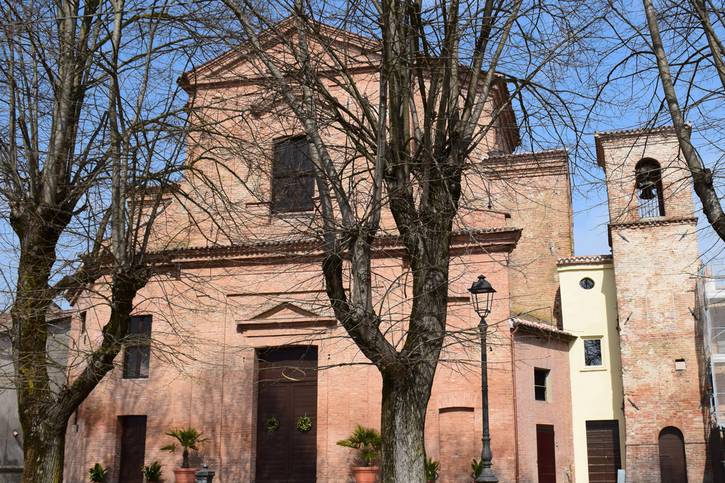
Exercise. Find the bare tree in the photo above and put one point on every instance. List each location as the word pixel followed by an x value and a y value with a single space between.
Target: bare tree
pixel 389 159
pixel 676 47
pixel 88 142
pixel 702 177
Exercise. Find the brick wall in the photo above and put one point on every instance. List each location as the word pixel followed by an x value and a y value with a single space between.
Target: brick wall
pixel 539 350
pixel 203 372
pixel 532 189
pixel 655 264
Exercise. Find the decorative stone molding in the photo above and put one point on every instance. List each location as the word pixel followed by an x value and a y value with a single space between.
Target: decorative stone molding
pixel 483 240
pixel 654 222
pixel 585 260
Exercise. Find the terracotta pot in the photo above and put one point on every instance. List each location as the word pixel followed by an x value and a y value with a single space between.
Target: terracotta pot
pixel 366 474
pixel 185 475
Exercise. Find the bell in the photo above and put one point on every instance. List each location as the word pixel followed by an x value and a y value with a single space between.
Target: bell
pixel 647 192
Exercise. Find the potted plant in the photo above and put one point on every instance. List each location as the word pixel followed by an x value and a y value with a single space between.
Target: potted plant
pixel 431 470
pixel 187 438
pixel 97 473
pixel 367 441
pixel 152 473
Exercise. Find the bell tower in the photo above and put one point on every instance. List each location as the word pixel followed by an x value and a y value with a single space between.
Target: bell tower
pixel 652 233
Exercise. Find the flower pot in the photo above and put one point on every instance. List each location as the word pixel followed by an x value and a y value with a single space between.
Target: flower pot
pixel 185 475
pixel 366 474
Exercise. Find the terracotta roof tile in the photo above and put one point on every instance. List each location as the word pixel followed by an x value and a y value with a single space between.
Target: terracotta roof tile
pixel 541 327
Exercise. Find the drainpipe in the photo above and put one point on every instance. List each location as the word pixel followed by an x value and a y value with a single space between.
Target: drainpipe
pixel 221 387
pixel 513 380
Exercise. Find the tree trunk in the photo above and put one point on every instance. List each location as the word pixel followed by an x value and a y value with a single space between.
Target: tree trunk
pixel 43 440
pixel 43 448
pixel 405 399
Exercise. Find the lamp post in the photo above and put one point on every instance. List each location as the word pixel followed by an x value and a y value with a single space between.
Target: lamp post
pixel 482 293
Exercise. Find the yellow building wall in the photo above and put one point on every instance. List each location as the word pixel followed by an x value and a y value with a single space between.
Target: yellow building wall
pixel 596 391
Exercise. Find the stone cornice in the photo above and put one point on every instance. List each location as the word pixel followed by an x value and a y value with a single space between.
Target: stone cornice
pixel 643 133
pixel 584 260
pixel 486 240
pixel 654 222
pixel 541 163
pixel 638 132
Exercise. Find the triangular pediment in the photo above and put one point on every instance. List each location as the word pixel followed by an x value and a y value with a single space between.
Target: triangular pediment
pixel 285 311
pixel 239 63
pixel 285 316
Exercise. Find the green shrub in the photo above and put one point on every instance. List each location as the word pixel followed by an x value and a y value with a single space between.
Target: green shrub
pixel 476 468
pixel 431 469
pixel 152 472
pixel 97 473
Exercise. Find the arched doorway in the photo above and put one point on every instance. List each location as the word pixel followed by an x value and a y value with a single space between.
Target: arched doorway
pixel 673 468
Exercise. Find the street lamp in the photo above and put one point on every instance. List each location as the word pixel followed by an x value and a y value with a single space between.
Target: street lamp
pixel 482 293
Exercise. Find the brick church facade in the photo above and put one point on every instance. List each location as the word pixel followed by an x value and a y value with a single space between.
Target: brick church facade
pixel 244 339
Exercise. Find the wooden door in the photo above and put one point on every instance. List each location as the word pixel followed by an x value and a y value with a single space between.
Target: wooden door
pixel 603 454
pixel 545 453
pixel 133 448
pixel 673 468
pixel 287 390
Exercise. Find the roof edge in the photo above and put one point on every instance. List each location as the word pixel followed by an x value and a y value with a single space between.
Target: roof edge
pixel 584 260
pixel 645 132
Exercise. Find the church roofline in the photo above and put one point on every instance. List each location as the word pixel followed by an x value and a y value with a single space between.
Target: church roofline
pixel 281 28
pixel 191 80
pixel 543 154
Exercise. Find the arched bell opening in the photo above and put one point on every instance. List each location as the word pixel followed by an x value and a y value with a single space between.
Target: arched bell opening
pixel 650 199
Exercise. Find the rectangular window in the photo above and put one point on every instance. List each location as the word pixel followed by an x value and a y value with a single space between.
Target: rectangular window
pixel 138 349
pixel 293 182
pixel 541 378
pixel 592 352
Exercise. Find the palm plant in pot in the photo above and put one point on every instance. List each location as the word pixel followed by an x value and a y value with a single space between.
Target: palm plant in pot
pixel 189 439
pixel 152 473
pixel 367 441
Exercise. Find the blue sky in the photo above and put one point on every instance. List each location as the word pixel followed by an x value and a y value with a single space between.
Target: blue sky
pixel 590 223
